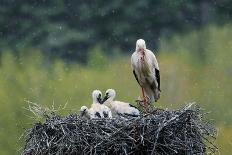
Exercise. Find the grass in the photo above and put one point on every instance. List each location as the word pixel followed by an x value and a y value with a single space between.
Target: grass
pixel 225 139
pixel 186 76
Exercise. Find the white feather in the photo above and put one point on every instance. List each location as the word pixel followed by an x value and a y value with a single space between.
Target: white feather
pixel 118 107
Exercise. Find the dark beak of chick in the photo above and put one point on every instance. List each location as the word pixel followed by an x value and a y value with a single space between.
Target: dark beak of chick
pixel 99 99
pixel 105 98
pixel 83 113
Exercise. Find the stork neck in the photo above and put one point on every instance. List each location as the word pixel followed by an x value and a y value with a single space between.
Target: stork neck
pixel 95 102
pixel 109 100
pixel 142 55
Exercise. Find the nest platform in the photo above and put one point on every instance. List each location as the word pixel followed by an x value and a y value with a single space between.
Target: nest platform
pixel 163 132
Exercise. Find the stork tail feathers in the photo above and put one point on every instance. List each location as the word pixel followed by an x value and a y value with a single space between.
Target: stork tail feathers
pixel 155 89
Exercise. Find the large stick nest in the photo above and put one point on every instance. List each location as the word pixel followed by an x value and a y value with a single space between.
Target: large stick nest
pixel 163 132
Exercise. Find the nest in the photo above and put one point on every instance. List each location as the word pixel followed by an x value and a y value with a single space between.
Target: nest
pixel 179 132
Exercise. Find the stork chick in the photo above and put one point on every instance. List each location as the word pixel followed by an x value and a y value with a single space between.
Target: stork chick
pixel 84 111
pixel 97 110
pixel 118 107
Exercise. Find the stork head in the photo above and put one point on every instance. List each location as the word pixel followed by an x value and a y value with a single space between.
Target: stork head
pixel 83 111
pixel 97 96
pixel 109 95
pixel 140 45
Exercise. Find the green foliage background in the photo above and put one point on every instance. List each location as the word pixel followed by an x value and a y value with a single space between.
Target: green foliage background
pixel 185 78
pixel 68 29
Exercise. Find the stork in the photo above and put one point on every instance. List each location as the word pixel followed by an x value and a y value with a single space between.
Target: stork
pixel 147 74
pixel 118 107
pixel 84 111
pixel 97 109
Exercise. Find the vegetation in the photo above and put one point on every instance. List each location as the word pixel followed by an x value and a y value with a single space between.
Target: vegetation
pixel 68 29
pixel 185 78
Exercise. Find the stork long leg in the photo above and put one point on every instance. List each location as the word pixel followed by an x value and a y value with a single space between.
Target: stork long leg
pixel 144 101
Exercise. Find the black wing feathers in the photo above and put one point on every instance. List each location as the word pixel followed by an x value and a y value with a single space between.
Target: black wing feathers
pixel 157 74
pixel 132 106
pixel 98 114
pixel 105 114
pixel 136 77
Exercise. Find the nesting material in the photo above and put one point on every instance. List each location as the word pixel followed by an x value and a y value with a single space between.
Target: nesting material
pixel 179 132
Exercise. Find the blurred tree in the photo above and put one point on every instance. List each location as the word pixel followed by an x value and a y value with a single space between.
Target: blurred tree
pixel 68 29
pixel 97 59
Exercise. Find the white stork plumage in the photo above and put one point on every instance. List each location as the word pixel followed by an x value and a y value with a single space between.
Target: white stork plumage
pixel 118 107
pixel 97 109
pixel 146 71
pixel 84 111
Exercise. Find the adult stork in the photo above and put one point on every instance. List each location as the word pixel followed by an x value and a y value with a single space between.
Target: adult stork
pixel 146 71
